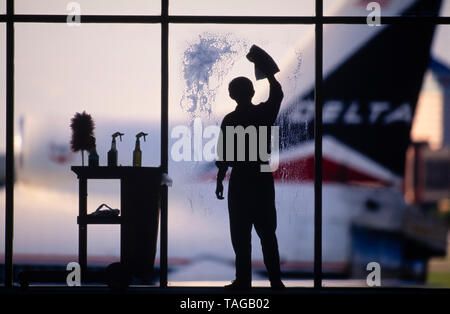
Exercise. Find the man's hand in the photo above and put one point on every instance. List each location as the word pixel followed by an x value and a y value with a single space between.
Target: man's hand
pixel 219 190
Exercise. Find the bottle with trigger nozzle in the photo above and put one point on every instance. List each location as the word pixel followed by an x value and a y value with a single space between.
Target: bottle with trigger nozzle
pixel 137 153
pixel 112 154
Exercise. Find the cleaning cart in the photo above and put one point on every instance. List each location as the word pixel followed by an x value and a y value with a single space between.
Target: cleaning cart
pixel 138 219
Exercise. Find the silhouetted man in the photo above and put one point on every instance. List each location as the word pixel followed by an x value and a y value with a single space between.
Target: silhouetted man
pixel 251 193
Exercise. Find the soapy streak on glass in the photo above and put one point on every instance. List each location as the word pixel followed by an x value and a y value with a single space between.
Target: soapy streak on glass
pixel 206 62
pixel 211 59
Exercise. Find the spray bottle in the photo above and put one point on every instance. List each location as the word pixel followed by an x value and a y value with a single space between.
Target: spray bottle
pixel 112 154
pixel 137 153
pixel 93 156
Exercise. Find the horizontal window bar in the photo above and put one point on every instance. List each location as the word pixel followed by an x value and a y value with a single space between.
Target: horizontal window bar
pixel 243 19
pixel 143 19
pixel 305 19
pixel 388 20
pixel 31 18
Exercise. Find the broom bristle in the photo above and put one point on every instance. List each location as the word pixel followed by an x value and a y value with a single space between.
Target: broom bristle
pixel 82 127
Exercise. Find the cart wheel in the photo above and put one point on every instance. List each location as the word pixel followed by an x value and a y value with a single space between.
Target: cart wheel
pixel 23 281
pixel 117 276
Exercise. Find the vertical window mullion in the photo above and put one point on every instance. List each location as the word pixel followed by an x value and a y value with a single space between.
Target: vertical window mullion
pixel 164 138
pixel 318 146
pixel 9 187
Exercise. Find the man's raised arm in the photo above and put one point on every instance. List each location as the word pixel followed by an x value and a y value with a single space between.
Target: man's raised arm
pixel 272 106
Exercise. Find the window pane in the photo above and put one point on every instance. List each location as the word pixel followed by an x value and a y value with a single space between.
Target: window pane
pixel 117 7
pixel 247 8
pixel 377 83
pixel 386 7
pixel 203 60
pixel 112 72
pixel 2 6
pixel 2 143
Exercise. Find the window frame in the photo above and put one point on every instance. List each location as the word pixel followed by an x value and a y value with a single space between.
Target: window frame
pixel 164 19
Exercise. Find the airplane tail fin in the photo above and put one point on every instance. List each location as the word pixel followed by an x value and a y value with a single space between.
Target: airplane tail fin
pixel 370 95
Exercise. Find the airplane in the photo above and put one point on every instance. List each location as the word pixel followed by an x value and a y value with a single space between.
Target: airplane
pixel 372 79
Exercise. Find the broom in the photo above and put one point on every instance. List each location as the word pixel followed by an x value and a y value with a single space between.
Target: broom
pixel 82 127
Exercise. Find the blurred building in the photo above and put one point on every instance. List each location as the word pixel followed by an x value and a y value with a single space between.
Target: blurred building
pixel 432 119
pixel 427 173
